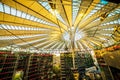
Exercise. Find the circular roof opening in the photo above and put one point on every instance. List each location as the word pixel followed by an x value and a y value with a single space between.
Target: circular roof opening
pixel 77 35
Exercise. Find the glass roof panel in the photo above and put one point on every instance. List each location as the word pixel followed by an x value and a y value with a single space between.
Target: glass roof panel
pixel 13 11
pixel 32 18
pixel 42 43
pixel 103 33
pixel 30 36
pixel 1 7
pixel 35 19
pixel 12 27
pixel 116 11
pixel 104 1
pixel 38 20
pixel 53 42
pixel 112 22
pixel 48 7
pixel 30 42
pixel 54 45
pixel 19 13
pixel 54 12
pixel 20 27
pixel 7 9
pixel 98 7
pixel 24 15
pixel 28 16
pixel 109 28
pixel 119 21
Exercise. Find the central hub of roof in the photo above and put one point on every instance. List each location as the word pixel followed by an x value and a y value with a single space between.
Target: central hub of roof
pixel 77 34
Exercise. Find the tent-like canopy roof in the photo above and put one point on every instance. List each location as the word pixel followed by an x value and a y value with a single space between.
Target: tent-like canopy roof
pixel 59 24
